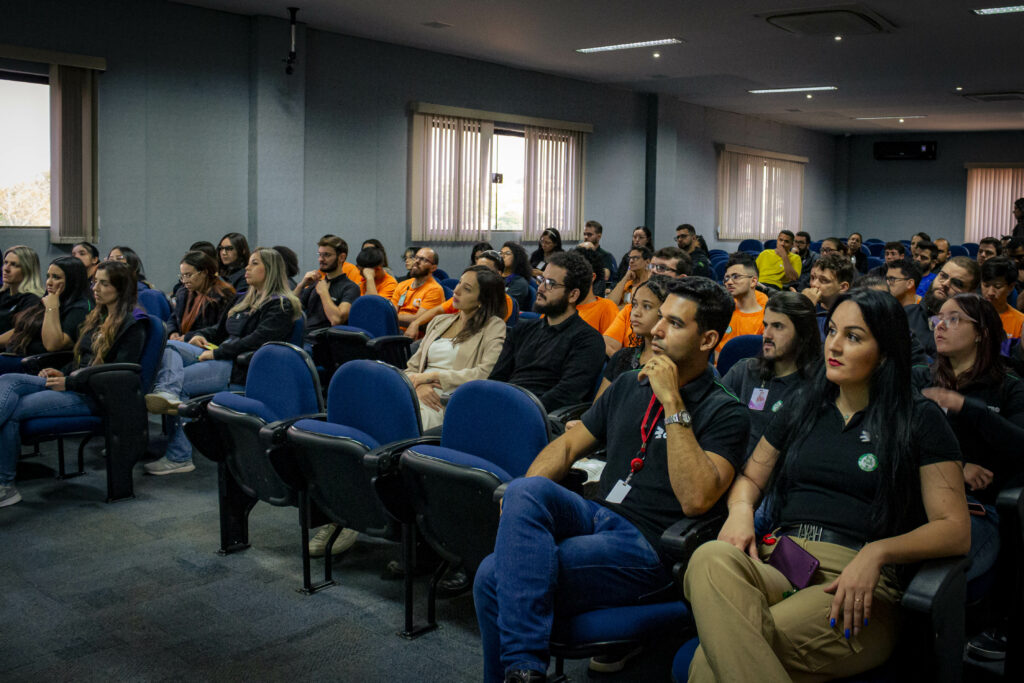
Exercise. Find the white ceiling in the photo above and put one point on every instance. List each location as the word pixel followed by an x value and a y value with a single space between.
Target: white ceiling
pixel 727 50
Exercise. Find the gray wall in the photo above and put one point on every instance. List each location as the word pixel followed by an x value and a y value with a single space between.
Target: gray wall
pixel 895 199
pixel 688 167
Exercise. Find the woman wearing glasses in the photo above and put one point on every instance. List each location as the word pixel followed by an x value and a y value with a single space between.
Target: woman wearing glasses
pixel 202 297
pixel 129 256
pixel 637 261
pixel 985 407
pixel 550 244
pixel 641 238
pixel 233 253
pixel 517 274
pixel 865 476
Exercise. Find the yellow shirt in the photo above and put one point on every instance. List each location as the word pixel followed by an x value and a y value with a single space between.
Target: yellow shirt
pixel 770 270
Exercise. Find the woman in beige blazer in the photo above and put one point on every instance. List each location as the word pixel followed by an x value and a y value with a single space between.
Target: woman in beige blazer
pixel 459 347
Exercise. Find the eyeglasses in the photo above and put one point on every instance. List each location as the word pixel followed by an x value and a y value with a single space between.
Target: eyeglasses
pixel 490 253
pixel 185 277
pixel 421 259
pixel 891 280
pixel 734 276
pixel 548 283
pixel 825 251
pixel 229 248
pixel 505 253
pixel 954 282
pixel 660 268
pixel 950 322
pixel 635 258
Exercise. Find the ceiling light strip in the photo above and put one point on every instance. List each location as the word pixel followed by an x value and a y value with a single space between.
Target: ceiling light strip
pixel 811 88
pixel 889 118
pixel 999 10
pixel 630 46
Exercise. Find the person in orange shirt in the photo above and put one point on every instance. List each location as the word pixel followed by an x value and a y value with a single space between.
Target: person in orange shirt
pixel 419 293
pixel 668 262
pixel 489 258
pixel 998 276
pixel 598 312
pixel 741 281
pixel 639 258
pixel 372 278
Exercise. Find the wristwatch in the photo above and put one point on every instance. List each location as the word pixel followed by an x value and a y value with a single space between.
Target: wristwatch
pixel 682 417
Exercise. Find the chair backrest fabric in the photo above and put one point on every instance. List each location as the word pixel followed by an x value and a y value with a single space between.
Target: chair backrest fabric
pixel 155 303
pixel 374 314
pixel 737 348
pixel 375 398
pixel 282 377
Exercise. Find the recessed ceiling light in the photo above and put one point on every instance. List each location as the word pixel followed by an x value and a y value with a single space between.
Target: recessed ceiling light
pixel 837 38
pixel 810 96
pixel 888 118
pixel 630 46
pixel 656 55
pixel 810 88
pixel 999 10
pixel 959 88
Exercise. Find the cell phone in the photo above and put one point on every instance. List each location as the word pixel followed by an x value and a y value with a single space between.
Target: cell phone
pixel 976 509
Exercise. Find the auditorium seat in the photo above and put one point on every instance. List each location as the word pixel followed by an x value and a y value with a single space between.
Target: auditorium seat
pixel 736 349
pixel 750 245
pixel 155 303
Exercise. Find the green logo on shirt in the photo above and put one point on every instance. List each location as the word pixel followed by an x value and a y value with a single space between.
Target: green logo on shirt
pixel 868 462
pixel 775 408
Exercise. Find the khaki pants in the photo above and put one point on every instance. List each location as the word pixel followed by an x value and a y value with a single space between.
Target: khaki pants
pixel 748 632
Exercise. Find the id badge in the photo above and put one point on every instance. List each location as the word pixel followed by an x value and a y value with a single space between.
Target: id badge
pixel 618 492
pixel 401 299
pixel 758 399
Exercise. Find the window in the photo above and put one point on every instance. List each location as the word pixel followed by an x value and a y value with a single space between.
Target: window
pixel 473 172
pixel 24 150
pixel 759 193
pixel 991 191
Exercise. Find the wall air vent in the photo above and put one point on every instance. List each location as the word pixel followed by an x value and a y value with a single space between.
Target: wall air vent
pixel 839 20
pixel 1005 96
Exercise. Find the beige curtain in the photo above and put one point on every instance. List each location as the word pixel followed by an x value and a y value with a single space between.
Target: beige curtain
pixel 758 195
pixel 72 154
pixel 454 178
pixel 553 183
pixel 990 196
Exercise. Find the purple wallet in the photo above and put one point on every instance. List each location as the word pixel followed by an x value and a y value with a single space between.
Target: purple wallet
pixel 795 563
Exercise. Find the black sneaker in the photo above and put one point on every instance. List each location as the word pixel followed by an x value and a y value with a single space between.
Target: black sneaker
pixel 988 645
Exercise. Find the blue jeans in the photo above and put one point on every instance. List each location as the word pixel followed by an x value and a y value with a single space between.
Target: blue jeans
pixel 556 553
pixel 182 375
pixel 24 396
pixel 984 541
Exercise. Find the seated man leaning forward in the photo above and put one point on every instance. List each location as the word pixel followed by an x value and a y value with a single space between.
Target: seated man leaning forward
pixel 557 553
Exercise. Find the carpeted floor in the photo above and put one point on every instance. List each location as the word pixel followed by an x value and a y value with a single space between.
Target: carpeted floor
pixel 135 591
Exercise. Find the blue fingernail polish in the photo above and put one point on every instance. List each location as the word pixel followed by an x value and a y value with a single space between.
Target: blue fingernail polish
pixel 846 634
pixel 832 623
pixel 865 621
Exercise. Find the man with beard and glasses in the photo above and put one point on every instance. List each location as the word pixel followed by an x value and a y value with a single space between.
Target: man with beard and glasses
pixel 559 356
pixel 419 293
pixel 559 553
pixel 831 276
pixel 327 293
pixel 802 242
pixel 960 274
pixel 740 280
pixel 790 352
pixel 902 279
pixel 686 239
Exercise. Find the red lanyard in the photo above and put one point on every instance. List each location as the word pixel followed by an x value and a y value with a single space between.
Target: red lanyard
pixel 637 463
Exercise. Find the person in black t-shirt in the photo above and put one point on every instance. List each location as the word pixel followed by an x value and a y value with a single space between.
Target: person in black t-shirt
pixel 864 474
pixel 327 293
pixel 52 324
pixel 556 551
pixel 22 287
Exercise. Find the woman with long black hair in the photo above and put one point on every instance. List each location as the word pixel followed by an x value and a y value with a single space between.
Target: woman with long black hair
pixel 202 298
pixel 985 407
pixel 517 273
pixel 233 254
pixel 865 475
pixel 53 323
pixel 111 334
pixel 550 243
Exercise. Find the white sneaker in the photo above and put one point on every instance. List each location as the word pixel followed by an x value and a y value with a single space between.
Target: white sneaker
pixel 9 495
pixel 345 540
pixel 162 403
pixel 165 466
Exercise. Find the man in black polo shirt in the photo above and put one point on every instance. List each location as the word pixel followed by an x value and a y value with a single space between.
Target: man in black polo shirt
pixel 558 357
pixel 592 232
pixel 960 274
pixel 556 551
pixel 327 293
pixel 686 239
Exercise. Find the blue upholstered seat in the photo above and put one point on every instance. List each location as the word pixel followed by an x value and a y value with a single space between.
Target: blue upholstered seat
pixel 736 349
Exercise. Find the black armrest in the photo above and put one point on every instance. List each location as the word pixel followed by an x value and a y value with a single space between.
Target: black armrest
pixel 316 334
pixel 243 360
pixel 681 539
pixel 273 434
pixel 386 457
pixel 196 406
pixel 1011 503
pixel 935 582
pixel 84 374
pixel 58 359
pixel 499 492
pixel 392 349
pixel 566 413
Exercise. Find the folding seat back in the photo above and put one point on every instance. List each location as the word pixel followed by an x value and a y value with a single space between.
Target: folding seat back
pixel 736 349
pixel 375 315
pixel 281 383
pixel 750 245
pixel 155 302
pixel 492 432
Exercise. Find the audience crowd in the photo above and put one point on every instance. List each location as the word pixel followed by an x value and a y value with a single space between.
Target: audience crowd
pixel 872 420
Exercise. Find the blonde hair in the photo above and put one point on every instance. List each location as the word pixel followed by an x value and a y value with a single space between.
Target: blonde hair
pixel 28 261
pixel 275 285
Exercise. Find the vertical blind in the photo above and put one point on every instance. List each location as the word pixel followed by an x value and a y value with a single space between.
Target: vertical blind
pixel 758 195
pixel 72 154
pixel 990 196
pixel 553 182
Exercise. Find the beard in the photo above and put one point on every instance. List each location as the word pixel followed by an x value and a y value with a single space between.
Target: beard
pixel 552 308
